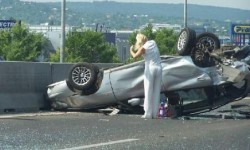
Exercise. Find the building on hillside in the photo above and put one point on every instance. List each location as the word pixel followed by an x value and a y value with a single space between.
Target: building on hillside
pixel 198 29
pixel 117 38
pixel 53 33
pixel 225 40
pixel 122 44
pixel 157 26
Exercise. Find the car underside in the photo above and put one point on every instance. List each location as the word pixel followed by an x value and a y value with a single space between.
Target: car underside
pixel 201 78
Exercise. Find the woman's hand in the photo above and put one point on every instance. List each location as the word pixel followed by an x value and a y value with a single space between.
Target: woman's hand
pixel 132 51
pixel 138 52
pixel 132 48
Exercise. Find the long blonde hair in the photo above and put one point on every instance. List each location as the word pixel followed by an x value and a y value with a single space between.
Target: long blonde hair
pixel 141 39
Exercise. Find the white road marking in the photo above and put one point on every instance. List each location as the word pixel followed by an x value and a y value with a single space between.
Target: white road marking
pixel 6 116
pixel 101 144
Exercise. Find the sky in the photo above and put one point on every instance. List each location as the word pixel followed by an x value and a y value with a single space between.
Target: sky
pixel 240 4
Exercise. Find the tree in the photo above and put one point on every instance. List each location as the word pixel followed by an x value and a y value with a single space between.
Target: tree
pixel 165 38
pixel 18 44
pixel 88 46
pixel 148 31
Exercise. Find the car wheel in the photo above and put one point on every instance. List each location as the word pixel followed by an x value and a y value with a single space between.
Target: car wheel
pixel 186 41
pixel 207 42
pixel 82 76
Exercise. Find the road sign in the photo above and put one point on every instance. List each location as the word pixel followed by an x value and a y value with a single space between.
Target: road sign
pixel 7 23
pixel 240 29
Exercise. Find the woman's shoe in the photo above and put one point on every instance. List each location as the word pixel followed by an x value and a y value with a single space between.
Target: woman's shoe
pixel 146 117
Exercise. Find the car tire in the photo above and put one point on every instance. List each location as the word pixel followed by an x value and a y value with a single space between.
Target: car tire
pixel 186 41
pixel 207 41
pixel 82 76
pixel 205 44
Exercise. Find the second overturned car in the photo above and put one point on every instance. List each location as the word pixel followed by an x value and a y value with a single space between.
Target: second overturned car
pixel 198 79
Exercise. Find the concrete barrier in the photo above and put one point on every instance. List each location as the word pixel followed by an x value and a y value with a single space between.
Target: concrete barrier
pixel 59 71
pixel 23 85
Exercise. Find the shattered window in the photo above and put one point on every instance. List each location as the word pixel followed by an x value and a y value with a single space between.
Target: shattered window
pixel 192 96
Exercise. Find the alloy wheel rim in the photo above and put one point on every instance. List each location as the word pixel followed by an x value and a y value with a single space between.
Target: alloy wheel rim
pixel 182 40
pixel 81 75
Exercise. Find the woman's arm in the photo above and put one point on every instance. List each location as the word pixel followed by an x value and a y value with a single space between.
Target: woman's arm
pixel 138 53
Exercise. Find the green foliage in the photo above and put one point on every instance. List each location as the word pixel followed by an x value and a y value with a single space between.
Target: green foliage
pixel 148 31
pixel 18 44
pixel 55 57
pixel 88 46
pixel 165 38
pixel 132 38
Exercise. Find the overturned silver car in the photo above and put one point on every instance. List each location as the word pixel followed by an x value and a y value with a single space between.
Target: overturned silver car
pixel 201 78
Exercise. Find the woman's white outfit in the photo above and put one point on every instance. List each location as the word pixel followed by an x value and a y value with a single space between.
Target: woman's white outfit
pixel 152 79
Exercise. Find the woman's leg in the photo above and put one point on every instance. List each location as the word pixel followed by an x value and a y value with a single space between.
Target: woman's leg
pixel 156 91
pixel 148 91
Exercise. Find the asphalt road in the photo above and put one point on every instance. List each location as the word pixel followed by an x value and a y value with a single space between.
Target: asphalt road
pixel 88 130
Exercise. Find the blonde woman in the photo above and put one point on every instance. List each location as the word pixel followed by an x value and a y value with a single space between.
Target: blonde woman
pixel 152 73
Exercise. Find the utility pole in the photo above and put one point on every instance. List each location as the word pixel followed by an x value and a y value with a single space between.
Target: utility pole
pixel 185 13
pixel 63 6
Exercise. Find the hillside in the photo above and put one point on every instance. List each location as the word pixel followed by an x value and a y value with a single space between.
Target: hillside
pixel 116 15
